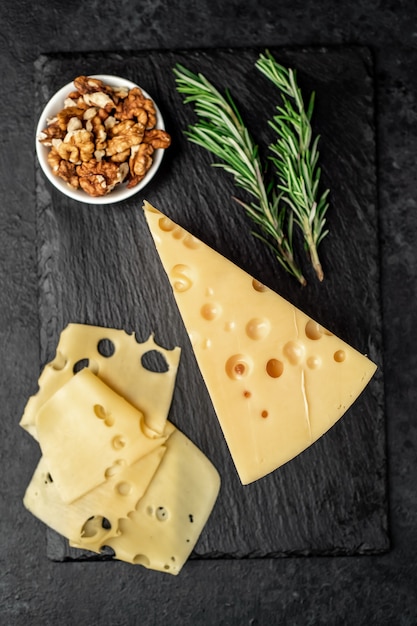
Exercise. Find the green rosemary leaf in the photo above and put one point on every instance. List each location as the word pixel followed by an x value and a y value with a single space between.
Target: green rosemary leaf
pixel 220 130
pixel 295 156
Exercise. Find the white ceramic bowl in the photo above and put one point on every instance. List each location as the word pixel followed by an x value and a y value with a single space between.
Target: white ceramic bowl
pixel 120 192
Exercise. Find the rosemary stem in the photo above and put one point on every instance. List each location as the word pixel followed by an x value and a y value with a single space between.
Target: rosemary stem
pixel 220 130
pixel 312 249
pixel 295 157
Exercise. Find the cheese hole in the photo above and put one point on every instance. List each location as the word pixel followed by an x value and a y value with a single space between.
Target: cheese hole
pixel 258 286
pixel 238 366
pixel 339 356
pixel 48 478
pixel 181 277
pixel 124 488
pixel 141 559
pixel 94 526
pixel 59 361
pixel 313 330
pixel 247 394
pixel 106 347
pixel 118 442
pixel 161 514
pixel 258 328
pixel 100 411
pixel 102 414
pixel 274 368
pixel 80 365
pixel 210 311
pixel 154 361
pixel 264 414
pixel 115 468
pixel 178 232
pixel 191 242
pixel 294 351
pixel 313 362
pixel 166 224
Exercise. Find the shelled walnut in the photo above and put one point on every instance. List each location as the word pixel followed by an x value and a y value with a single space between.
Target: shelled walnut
pixel 103 136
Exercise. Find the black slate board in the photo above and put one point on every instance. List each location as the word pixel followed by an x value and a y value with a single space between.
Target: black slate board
pixel 97 265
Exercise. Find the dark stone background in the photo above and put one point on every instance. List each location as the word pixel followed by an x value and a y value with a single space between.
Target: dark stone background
pixel 374 589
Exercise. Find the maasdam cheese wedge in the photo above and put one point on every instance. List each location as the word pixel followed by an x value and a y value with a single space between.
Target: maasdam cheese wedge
pixel 277 380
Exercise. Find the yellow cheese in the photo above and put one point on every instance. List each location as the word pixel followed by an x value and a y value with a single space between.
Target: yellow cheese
pixel 101 480
pixel 161 533
pixel 93 517
pixel 86 430
pixel 277 379
pixel 117 359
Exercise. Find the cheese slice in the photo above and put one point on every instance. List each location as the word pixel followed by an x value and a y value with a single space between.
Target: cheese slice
pixel 277 379
pixel 163 530
pixel 101 480
pixel 116 358
pixel 92 518
pixel 151 513
pixel 86 431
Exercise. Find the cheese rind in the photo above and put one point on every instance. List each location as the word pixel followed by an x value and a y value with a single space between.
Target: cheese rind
pixel 277 380
pixel 116 358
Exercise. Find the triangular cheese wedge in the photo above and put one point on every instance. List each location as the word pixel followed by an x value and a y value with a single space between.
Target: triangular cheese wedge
pixel 277 380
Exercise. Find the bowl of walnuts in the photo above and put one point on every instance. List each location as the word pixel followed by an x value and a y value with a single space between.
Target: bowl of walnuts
pixel 100 139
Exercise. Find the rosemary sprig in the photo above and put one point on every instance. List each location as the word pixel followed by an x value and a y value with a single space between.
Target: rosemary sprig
pixel 295 157
pixel 221 130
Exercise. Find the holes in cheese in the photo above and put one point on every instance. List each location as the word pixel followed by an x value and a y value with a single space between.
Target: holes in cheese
pixel 78 365
pixel 100 459
pixel 82 521
pixel 118 442
pixel 294 351
pixel 154 361
pixel 274 368
pixel 86 415
pixel 95 526
pixel 211 310
pixel 258 328
pixel 238 366
pixel 167 521
pixel 161 513
pixel 182 278
pixel 339 356
pixel 277 379
pixel 116 358
pixel 106 347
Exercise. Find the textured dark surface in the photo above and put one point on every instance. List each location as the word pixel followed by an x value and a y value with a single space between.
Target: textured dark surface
pixel 374 589
pixel 98 266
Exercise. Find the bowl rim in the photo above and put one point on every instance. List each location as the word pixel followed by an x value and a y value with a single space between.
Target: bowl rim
pixel 121 192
